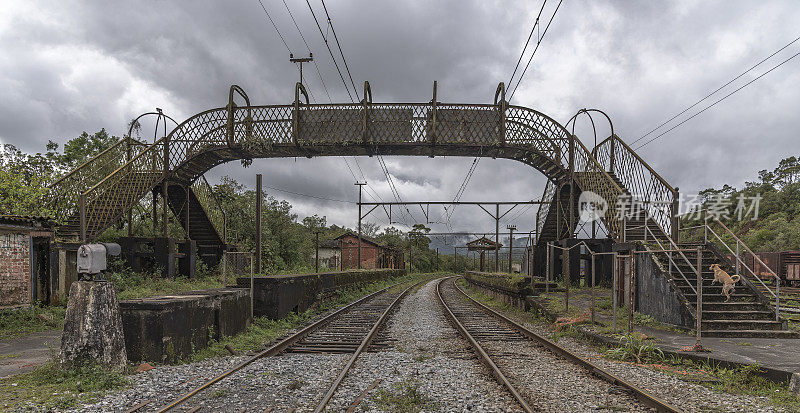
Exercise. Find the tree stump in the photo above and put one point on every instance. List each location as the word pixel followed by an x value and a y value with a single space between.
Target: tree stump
pixel 93 326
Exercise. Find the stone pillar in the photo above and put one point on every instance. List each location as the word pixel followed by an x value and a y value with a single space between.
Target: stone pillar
pixel 794 384
pixel 93 326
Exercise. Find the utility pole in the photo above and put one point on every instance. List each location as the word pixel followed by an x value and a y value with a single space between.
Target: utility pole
pixel 300 61
pixel 497 238
pixel 316 248
pixel 259 197
pixel 511 229
pixel 360 187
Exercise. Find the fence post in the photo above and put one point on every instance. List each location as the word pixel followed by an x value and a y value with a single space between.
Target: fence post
pixel 592 287
pixel 548 267
pixel 631 286
pixel 699 305
pixel 566 275
pixel 224 268
pixel 614 286
pixel 82 212
pixel 252 311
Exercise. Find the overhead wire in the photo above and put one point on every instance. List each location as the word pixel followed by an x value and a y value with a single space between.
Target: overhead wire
pixel 338 45
pixel 538 43
pixel 718 101
pixel 715 91
pixel 521 55
pixel 325 40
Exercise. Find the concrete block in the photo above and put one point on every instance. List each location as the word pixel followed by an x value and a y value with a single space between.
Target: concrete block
pixel 93 326
pixel 275 296
pixel 794 384
pixel 167 329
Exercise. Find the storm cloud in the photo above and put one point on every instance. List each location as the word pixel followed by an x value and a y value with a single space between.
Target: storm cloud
pixel 70 66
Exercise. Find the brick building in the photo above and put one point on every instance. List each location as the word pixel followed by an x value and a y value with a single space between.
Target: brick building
pixel 373 253
pixel 24 260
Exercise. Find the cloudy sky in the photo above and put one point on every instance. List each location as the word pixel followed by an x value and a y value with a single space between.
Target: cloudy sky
pixel 67 67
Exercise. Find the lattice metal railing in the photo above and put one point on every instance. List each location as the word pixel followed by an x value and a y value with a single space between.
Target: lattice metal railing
pixel 544 208
pixel 257 130
pixel 211 205
pixel 106 201
pixel 645 186
pixel 62 197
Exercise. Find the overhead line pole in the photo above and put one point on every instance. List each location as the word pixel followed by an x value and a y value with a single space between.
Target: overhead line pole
pixel 360 187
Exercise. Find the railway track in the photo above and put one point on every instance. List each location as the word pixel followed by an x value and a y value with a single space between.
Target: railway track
pixel 351 329
pixel 492 335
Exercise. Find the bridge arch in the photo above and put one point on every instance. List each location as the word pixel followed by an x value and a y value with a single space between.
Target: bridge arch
pixel 224 134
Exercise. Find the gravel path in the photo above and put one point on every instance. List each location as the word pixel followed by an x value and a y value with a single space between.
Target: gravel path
pixel 429 355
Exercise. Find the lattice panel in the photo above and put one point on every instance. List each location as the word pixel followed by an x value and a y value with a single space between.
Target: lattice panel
pixel 653 193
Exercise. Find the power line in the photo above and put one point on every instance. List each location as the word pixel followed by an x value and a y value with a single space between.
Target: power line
pixel 715 91
pixel 309 196
pixel 329 50
pixel 719 100
pixel 333 30
pixel 538 42
pixel 275 26
pixel 535 25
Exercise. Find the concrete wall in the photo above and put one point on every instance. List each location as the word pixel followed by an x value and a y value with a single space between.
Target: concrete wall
pixel 167 329
pixel 275 296
pixel 15 267
pixel 656 295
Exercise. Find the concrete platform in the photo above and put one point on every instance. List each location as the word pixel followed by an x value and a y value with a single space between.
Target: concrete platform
pixel 21 355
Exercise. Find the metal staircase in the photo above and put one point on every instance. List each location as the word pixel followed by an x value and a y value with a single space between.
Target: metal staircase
pixel 651 219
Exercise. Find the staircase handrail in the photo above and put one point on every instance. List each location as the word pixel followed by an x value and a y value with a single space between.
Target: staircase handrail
pixel 776 293
pixel 641 180
pixel 544 208
pixel 62 190
pixel 672 262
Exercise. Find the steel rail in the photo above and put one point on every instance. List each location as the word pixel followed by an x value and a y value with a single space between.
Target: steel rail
pixel 276 348
pixel 487 360
pixel 594 369
pixel 363 346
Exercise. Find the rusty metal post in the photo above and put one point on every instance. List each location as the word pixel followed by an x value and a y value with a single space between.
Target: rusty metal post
pixel 155 211
pixel 164 209
pixel 360 186
pixel 614 289
pixel 593 278
pixel 225 268
pixel 82 212
pixel 571 185
pixel 497 238
pixel 565 269
pixel 699 304
pixel 252 292
pixel 676 220
pixel 128 159
pixel 611 154
pixel 437 259
pixel 548 268
pixel 316 251
pixel 631 288
pixel 259 201
pixel 188 188
pixel 164 189
pixel 511 229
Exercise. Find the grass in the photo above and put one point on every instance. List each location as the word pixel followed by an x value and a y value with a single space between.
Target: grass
pixel 131 285
pixel 24 321
pixel 403 397
pixel 633 347
pixel 52 386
